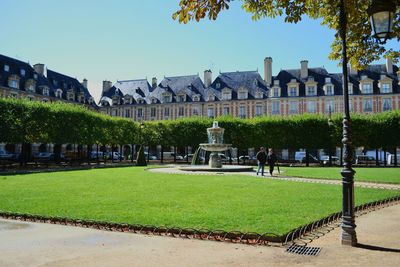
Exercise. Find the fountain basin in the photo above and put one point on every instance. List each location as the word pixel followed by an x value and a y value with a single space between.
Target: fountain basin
pixel 224 168
pixel 215 147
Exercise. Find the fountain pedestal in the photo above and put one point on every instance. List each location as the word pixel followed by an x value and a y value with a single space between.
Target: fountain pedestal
pixel 215 161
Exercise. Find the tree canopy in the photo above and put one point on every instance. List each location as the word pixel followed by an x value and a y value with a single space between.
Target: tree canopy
pixel 362 48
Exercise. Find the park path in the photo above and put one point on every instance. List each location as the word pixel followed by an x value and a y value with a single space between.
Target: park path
pixel 41 244
pixel 174 170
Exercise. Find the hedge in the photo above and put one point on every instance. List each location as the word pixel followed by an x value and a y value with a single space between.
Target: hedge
pixel 23 121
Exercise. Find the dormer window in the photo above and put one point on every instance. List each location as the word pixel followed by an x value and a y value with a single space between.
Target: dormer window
pixel 226 94
pixel 6 68
pixel 127 100
pixel 275 92
pixel 350 88
pixel 181 98
pixel 292 91
pixel 35 76
pixel 259 94
pixel 196 98
pixel 367 88
pixel 276 82
pixel 311 90
pixel 59 93
pixel 242 94
pixel 30 87
pixel 217 85
pixel 310 79
pixel 329 90
pixel 45 91
pixel 166 98
pixel 140 101
pixel 23 72
pixel 13 81
pixel 386 88
pixel 211 97
pixel 82 99
pixel 154 100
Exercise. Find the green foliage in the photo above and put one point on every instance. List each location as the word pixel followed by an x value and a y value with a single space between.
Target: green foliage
pixel 362 48
pixel 141 158
pixel 24 121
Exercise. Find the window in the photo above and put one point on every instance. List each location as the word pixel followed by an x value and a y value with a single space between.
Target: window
pixel 45 91
pixel 181 98
pixel 367 105
pixel 127 100
pixel 23 72
pixel 329 90
pixel 114 112
pixel 211 98
pixel 6 68
pixel 153 100
pixel 311 90
pixel 127 113
pixel 292 91
pixel 195 111
pixel 166 112
pixel 242 112
pixel 350 89
pixel 329 106
pixel 166 98
pixel 35 76
pixel 181 111
pixel 71 97
pixel 217 85
pixel 226 95
pixel 226 111
pixel 210 112
pixel 153 112
pixel 367 88
pixel 311 107
pixel 259 110
pixel 31 87
pixel 276 107
pixel 242 95
pixel 293 107
pixel 387 104
pixel 196 98
pixel 13 83
pixel 385 88
pixel 115 100
pixel 275 92
pixel 140 112
pixel 351 105
pixel 59 93
pixel 259 94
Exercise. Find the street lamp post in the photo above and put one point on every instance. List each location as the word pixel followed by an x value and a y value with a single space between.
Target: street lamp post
pixel 381 14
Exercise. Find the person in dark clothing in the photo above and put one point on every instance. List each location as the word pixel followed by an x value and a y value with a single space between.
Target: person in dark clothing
pixel 271 159
pixel 262 159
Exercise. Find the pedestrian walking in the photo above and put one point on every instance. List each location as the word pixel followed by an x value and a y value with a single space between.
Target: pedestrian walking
pixel 262 159
pixel 271 159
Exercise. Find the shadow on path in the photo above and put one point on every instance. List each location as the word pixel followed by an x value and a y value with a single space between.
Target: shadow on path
pixel 371 247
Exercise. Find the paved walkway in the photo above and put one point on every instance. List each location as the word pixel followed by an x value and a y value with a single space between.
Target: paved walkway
pixel 36 244
pixel 174 169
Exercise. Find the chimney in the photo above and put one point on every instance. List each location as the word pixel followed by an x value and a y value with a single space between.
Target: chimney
pixel 106 86
pixel 40 69
pixel 154 82
pixel 268 70
pixel 389 66
pixel 207 78
pixel 84 83
pixel 304 69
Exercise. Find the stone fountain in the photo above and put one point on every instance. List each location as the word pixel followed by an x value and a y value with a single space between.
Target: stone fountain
pixel 215 145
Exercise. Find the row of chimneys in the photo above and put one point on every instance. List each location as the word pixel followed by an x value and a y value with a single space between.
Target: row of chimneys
pixel 41 70
pixel 267 73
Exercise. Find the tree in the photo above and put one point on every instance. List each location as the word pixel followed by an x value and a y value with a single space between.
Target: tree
pixel 362 48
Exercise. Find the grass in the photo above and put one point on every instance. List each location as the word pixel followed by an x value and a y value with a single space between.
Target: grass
pixel 132 195
pixel 379 175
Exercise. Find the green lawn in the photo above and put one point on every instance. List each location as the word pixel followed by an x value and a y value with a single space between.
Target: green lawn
pixel 132 195
pixel 380 175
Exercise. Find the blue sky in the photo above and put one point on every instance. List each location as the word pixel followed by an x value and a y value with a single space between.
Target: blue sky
pixel 121 40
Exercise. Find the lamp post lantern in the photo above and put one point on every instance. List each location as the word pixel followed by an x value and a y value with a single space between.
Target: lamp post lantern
pixel 381 13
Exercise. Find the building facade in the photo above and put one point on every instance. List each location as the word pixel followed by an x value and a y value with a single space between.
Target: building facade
pixel 246 94
pixel 19 79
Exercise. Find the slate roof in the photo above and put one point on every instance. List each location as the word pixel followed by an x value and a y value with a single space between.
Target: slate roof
pixel 250 80
pixel 53 80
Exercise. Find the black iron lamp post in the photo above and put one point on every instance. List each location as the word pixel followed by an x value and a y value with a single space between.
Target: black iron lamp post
pixel 141 133
pixel 382 13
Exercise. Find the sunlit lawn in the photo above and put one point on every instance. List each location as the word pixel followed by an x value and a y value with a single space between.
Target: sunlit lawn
pixel 381 175
pixel 133 195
